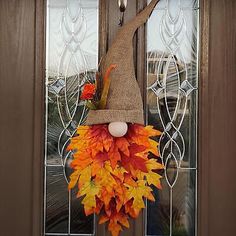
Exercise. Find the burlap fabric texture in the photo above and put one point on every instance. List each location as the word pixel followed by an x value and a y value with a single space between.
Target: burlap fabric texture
pixel 124 102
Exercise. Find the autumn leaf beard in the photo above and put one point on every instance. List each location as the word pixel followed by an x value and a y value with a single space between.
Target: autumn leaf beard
pixel 114 175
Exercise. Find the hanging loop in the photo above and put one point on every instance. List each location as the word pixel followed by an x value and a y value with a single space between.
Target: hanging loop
pixel 122 6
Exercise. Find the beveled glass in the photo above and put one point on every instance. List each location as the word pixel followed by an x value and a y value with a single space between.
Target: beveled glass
pixel 172 99
pixel 72 59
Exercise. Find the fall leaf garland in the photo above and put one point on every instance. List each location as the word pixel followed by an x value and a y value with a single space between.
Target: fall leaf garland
pixel 114 175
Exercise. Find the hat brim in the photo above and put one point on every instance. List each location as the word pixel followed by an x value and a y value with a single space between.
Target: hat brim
pixel 108 116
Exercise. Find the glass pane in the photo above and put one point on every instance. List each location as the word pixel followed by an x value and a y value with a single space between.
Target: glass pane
pixel 172 97
pixel 72 54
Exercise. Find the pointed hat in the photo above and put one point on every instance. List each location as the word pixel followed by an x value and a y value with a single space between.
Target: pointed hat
pixel 124 101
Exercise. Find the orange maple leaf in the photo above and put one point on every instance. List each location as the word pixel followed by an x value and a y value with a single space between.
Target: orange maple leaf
pixel 114 155
pixel 123 145
pixel 98 162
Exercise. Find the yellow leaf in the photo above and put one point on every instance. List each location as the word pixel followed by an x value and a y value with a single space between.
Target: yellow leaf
pixel 118 172
pixel 104 178
pixel 151 131
pixel 85 176
pixel 152 164
pixel 88 210
pixel 153 178
pixel 153 147
pixel 137 193
pixel 82 130
pixel 74 179
pixel 90 190
pixel 77 143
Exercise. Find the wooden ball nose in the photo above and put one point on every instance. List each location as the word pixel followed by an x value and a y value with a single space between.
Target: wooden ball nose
pixel 118 129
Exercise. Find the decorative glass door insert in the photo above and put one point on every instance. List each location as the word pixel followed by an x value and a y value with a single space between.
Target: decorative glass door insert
pixel 72 58
pixel 172 98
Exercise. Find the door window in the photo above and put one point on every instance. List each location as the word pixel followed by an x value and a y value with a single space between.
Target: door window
pixel 72 58
pixel 172 98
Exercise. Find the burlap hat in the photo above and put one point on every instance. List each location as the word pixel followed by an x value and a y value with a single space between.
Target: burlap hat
pixel 124 101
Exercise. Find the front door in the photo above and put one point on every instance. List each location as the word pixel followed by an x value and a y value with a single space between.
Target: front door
pixel 187 91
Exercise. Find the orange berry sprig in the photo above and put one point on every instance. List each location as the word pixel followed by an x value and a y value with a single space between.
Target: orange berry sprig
pixel 89 91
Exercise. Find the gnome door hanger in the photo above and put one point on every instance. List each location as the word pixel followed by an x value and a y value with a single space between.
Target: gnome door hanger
pixel 124 101
pixel 115 161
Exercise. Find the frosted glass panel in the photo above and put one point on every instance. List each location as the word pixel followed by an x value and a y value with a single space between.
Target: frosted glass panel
pixel 172 97
pixel 72 54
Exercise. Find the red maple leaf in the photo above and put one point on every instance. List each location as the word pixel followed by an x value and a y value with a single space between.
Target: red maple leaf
pixel 134 161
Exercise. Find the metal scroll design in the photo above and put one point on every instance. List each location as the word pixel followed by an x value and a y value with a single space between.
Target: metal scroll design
pixel 67 87
pixel 173 79
pixel 64 89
